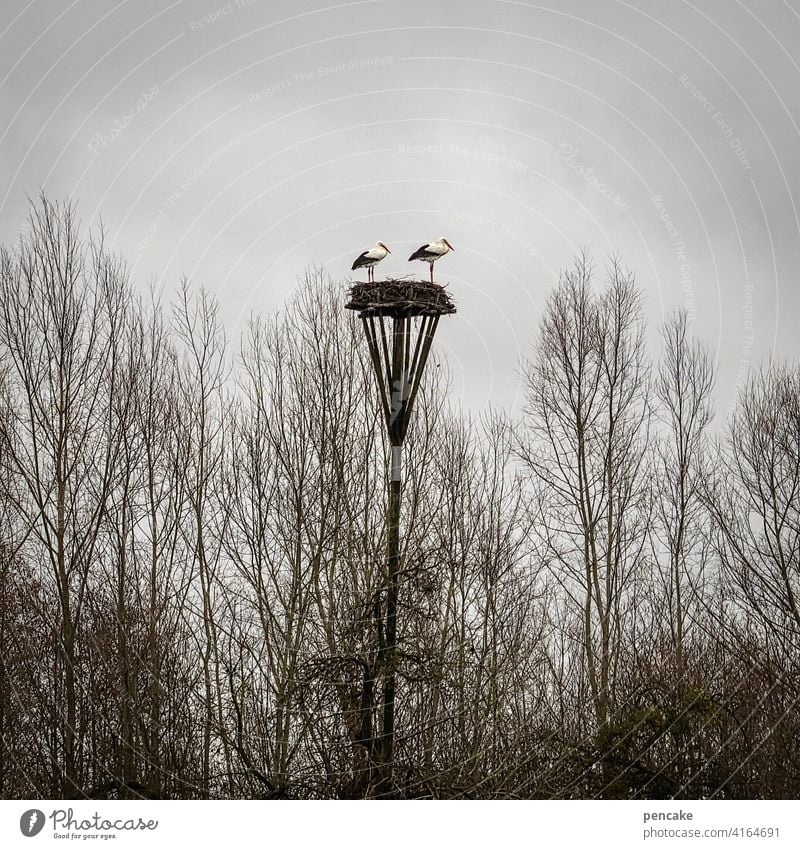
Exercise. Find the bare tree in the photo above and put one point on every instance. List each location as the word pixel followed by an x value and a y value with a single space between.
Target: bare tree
pixel 682 388
pixel 587 420
pixel 302 489
pixel 202 371
pixel 471 637
pixel 60 306
pixel 756 504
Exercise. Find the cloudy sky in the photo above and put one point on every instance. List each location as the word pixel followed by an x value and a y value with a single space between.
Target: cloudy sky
pixel 241 143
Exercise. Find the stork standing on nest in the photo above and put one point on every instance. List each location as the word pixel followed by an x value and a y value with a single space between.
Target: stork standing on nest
pixel 431 252
pixel 371 258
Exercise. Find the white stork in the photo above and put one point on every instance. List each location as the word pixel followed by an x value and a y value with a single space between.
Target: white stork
pixel 431 252
pixel 371 258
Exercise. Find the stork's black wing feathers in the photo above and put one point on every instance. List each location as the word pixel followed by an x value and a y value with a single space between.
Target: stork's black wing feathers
pixel 421 252
pixel 360 261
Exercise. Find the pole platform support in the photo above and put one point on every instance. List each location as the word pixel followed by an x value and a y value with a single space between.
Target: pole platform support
pixel 400 319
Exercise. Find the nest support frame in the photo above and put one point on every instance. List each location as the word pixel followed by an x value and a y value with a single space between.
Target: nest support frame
pixel 398 349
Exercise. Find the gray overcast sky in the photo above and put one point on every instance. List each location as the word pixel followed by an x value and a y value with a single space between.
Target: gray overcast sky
pixel 240 143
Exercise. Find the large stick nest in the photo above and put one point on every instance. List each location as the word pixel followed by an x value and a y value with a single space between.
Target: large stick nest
pixel 400 298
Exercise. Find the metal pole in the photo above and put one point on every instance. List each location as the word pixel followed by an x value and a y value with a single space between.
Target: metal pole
pixel 396 431
pixel 393 583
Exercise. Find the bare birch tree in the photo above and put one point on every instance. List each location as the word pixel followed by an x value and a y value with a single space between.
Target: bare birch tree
pixel 588 419
pixel 683 393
